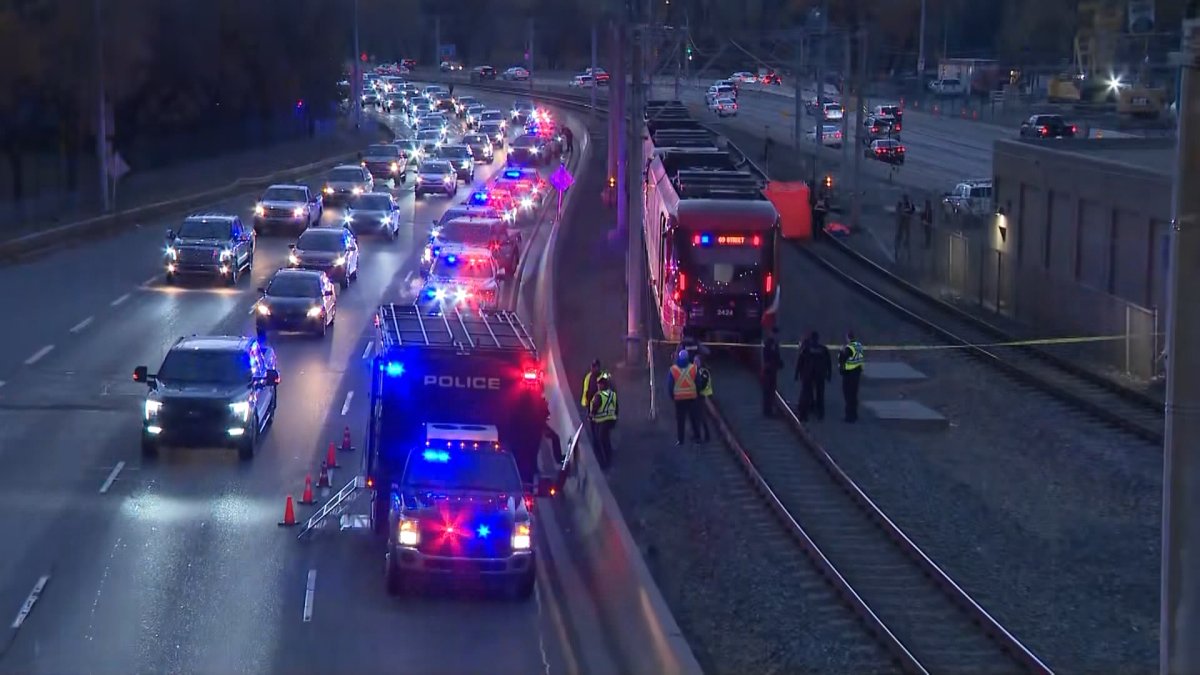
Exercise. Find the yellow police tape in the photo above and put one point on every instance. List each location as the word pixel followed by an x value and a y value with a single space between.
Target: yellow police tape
pixel 918 348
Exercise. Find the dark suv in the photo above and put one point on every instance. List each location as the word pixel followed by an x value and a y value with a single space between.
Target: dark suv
pixel 211 244
pixel 210 391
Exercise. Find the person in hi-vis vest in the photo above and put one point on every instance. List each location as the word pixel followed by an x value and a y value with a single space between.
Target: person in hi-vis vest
pixel 603 413
pixel 681 385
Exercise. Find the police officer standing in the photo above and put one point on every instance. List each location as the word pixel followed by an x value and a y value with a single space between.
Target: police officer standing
pixel 772 363
pixel 568 139
pixel 590 383
pixel 814 368
pixel 850 361
pixel 704 384
pixel 603 413
pixel 681 384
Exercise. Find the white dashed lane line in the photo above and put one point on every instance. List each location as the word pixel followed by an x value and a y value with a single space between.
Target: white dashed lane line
pixel 39 355
pixel 112 476
pixel 27 606
pixel 367 349
pixel 119 300
pixel 309 590
pixel 81 325
pixel 346 404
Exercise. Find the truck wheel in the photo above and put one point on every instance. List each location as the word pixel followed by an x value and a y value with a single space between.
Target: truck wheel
pixel 149 448
pixel 170 279
pixel 246 446
pixel 522 588
pixel 393 578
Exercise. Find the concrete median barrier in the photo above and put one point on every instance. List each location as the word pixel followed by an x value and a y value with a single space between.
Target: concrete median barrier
pixel 99 226
pixel 641 634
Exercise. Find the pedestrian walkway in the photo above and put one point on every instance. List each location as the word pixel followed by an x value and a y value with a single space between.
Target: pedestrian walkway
pixel 148 187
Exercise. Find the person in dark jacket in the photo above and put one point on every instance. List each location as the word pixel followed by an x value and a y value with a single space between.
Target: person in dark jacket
pixel 814 367
pixel 772 363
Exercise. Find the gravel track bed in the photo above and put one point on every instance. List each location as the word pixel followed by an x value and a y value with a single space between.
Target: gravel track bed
pixel 1049 520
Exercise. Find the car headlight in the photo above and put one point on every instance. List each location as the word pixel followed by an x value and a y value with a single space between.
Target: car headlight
pixel 241 410
pixel 152 407
pixel 448 179
pixel 328 190
pixel 315 311
pixel 466 164
pixel 226 254
pixel 263 309
pixel 293 259
pixel 259 210
pixel 522 537
pixel 439 294
pixel 172 253
pixel 513 114
pixel 526 203
pixel 533 150
pixel 461 295
pixel 395 167
pixel 339 261
pixel 408 532
pixel 298 212
pixel 357 191
pixel 348 218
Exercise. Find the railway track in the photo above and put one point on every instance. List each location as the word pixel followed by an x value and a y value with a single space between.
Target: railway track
pixel 913 608
pixel 1105 400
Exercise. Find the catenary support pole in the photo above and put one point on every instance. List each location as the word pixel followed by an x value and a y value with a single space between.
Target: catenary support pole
pixel 633 260
pixel 860 101
pixel 592 114
pixel 437 41
pixel 848 50
pixel 798 104
pixel 1180 629
pixel 102 151
pixel 618 94
pixel 819 83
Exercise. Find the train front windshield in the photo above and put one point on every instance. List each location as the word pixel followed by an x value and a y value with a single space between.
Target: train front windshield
pixel 726 264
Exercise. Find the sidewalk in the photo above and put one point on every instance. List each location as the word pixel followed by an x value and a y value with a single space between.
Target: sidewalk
pixel 141 188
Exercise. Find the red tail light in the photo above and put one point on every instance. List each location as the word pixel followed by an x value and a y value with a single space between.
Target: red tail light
pixel 897 128
pixel 1074 129
pixel 837 134
pixel 756 240
pixel 770 283
pixel 900 149
pixel 528 502
pixel 682 281
pixel 1043 130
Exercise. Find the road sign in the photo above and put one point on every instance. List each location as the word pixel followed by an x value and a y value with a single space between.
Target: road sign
pixel 562 179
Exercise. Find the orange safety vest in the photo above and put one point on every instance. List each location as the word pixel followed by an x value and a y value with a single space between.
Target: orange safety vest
pixel 685 382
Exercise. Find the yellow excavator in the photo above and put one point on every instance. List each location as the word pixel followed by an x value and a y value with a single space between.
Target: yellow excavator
pixel 1095 77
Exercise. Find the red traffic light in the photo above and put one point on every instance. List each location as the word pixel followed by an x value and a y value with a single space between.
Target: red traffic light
pixel 363 57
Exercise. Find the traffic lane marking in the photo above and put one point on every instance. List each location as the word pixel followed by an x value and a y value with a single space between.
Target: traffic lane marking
pixel 309 590
pixel 112 476
pixel 39 355
pixel 82 324
pixel 119 300
pixel 346 404
pixel 30 601
pixel 367 350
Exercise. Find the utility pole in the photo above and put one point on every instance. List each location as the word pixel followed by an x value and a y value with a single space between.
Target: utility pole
pixel 101 113
pixel 848 49
pixel 437 39
pixel 819 85
pixel 1180 621
pixel 592 114
pixel 860 101
pixel 633 260
pixel 798 110
pixel 687 50
pixel 531 56
pixel 921 43
pixel 616 123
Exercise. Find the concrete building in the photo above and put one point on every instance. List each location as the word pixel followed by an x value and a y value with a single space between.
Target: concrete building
pixel 1080 241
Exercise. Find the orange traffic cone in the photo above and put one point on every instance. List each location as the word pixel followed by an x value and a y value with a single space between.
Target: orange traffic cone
pixel 307 498
pixel 323 478
pixel 289 513
pixel 346 446
pixel 331 457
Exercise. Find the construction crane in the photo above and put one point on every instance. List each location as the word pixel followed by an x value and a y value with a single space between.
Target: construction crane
pixel 1096 77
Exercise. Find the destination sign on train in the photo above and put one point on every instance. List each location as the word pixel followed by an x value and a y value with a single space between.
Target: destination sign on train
pixel 725 240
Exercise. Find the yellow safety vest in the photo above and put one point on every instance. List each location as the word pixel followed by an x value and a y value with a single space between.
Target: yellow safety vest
pixel 856 358
pixel 707 390
pixel 685 382
pixel 608 406
pixel 583 396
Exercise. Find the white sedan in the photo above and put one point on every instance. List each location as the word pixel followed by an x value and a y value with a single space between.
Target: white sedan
pixel 831 135
pixel 723 107
pixel 583 81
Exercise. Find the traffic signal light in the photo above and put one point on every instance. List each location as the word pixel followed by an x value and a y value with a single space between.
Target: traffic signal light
pixel 689 52
pixel 362 57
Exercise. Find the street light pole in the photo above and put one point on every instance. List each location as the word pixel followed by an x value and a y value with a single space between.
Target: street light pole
pixel 1180 598
pixel 595 83
pixel 633 259
pixel 921 43
pixel 356 86
pixel 860 102
pixel 101 113
pixel 819 85
pixel 531 56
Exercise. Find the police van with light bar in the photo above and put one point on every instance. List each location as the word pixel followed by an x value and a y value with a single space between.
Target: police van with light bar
pixel 453 447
